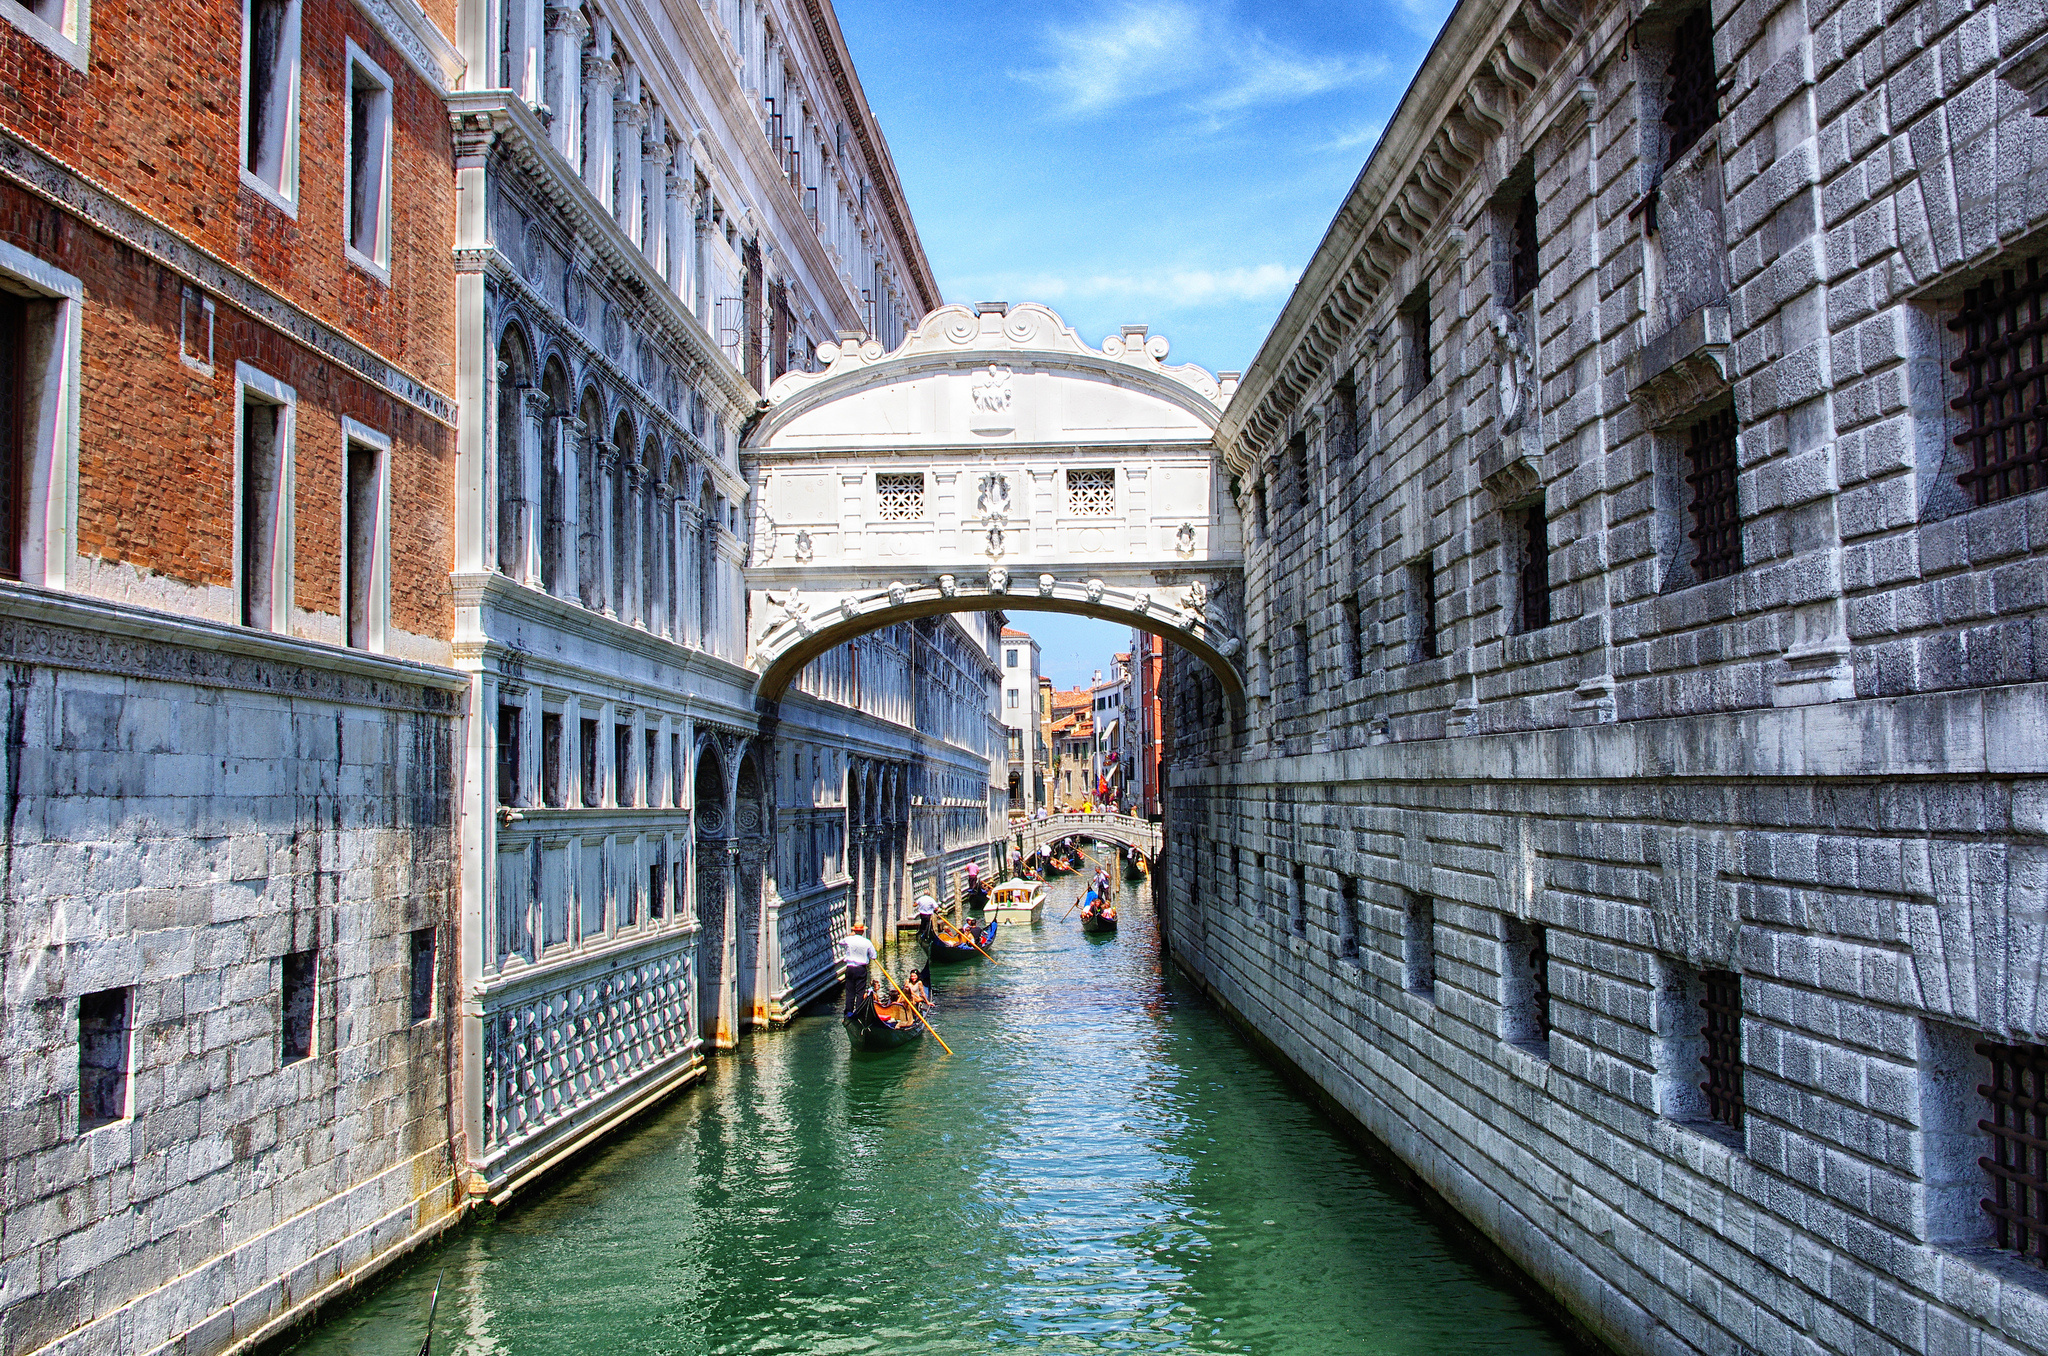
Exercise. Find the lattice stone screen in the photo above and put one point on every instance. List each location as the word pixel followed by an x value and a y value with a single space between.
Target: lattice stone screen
pixel 900 497
pixel 1091 494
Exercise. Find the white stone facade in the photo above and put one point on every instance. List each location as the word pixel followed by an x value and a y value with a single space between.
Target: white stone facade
pixel 1630 632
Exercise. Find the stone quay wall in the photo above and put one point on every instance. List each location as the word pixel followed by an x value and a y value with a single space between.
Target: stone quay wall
pixel 250 841
pixel 1638 819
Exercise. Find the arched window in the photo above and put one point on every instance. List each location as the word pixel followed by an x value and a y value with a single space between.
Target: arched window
pixel 515 378
pixel 678 479
pixel 623 449
pixel 556 459
pixel 590 506
pixel 653 605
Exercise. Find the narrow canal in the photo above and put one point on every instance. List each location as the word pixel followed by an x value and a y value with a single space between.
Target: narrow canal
pixel 1102 1166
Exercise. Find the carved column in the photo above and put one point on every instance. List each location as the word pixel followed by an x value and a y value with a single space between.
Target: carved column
pixel 559 520
pixel 631 116
pixel 690 546
pixel 566 30
pixel 524 59
pixel 654 179
pixel 604 505
pixel 676 228
pixel 631 606
pixel 590 535
pixel 533 439
pixel 600 81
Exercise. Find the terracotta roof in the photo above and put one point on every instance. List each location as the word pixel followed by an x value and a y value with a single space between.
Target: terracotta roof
pixel 1012 633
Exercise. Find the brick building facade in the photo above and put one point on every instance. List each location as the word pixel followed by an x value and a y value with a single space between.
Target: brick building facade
pixel 1637 823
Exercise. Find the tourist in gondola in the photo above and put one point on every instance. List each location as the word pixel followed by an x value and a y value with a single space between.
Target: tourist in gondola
pixel 975 895
pixel 858 953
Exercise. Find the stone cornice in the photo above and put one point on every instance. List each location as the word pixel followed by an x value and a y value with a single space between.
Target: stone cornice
pixel 496 592
pixel 1493 59
pixel 483 116
pixel 404 25
pixel 71 190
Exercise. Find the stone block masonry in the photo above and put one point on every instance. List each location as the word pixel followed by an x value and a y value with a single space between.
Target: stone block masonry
pixel 1635 818
pixel 186 815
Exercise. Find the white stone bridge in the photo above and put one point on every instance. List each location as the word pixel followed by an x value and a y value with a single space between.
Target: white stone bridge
pixel 993 460
pixel 1129 831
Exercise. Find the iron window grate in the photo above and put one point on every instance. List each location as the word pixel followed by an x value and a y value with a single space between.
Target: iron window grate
pixel 2018 1162
pixel 1522 263
pixel 1723 1055
pixel 1693 104
pixel 1716 516
pixel 1535 568
pixel 1539 974
pixel 2004 324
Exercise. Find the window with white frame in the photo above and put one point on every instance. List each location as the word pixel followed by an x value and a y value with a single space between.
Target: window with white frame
pixel 366 534
pixel 367 211
pixel 59 25
pixel 263 500
pixel 270 99
pixel 39 361
pixel 1091 493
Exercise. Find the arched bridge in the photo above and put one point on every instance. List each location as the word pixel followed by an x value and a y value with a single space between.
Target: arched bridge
pixel 993 460
pixel 1140 835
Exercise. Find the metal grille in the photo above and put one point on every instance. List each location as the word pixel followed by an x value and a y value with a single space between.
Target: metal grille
pixel 1723 1057
pixel 2018 1162
pixel 1539 975
pixel 1694 103
pixel 1716 516
pixel 1422 609
pixel 900 498
pixel 1091 494
pixel 2004 325
pixel 1522 265
pixel 1535 568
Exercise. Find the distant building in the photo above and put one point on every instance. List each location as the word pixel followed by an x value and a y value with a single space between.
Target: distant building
pixel 1072 740
pixel 1143 720
pixel 1019 713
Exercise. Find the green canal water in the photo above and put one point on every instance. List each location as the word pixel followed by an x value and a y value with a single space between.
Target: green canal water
pixel 1104 1165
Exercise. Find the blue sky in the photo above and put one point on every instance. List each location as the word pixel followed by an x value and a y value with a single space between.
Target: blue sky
pixel 1171 163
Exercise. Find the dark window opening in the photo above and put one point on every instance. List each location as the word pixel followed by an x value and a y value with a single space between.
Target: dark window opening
pixel 272 39
pixel 1535 571
pixel 2018 1161
pixel 1422 610
pixel 508 754
pixel 1416 356
pixel 1716 515
pixel 295 1033
pixel 1299 920
pixel 653 749
pixel 1344 424
pixel 105 1021
pixel 1259 508
pixel 1525 986
pixel 1522 261
pixel 261 424
pixel 1349 932
pixel 1354 638
pixel 551 758
pixel 593 779
pixel 675 769
pixel 1693 104
pixel 2004 324
pixel 14 422
pixel 1721 1034
pixel 622 765
pixel 422 974
pixel 1304 671
pixel 1418 946
pixel 362 505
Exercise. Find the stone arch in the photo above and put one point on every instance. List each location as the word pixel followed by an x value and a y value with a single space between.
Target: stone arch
pixel 515 381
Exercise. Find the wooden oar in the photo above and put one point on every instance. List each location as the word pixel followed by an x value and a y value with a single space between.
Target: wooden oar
pixel 427 1346
pixel 916 1012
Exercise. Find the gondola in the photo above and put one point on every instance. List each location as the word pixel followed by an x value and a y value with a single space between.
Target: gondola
pixel 1098 915
pixel 942 939
pixel 1134 867
pixel 882 1026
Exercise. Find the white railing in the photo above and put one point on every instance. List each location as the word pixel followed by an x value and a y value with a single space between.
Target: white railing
pixel 1129 830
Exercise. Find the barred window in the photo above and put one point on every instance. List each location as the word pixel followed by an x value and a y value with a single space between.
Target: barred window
pixel 1091 494
pixel 1522 263
pixel 1716 516
pixel 900 497
pixel 1693 104
pixel 2004 324
pixel 1535 567
pixel 2018 1162
pixel 1722 1058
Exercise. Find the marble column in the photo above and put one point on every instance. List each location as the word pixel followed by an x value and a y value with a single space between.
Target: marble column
pixel 654 179
pixel 631 116
pixel 600 83
pixel 566 30
pixel 533 436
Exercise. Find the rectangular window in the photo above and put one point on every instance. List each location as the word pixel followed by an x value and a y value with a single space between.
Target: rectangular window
pixel 1092 493
pixel 295 1010
pixel 1416 343
pixel 1259 508
pixel 1716 515
pixel 2015 1116
pixel 900 497
pixel 14 425
pixel 675 769
pixel 39 364
pixel 263 495
pixel 622 764
pixel 1418 946
pixel 653 751
pixel 367 217
pixel 1534 532
pixel 366 515
pixel 1721 1037
pixel 1298 919
pixel 1693 98
pixel 270 99
pixel 105 1021
pixel 1304 671
pixel 1010 659
pixel 1525 986
pixel 593 776
pixel 1344 422
pixel 1421 610
pixel 1350 930
pixel 195 329
pixel 2004 364
pixel 657 889
pixel 508 753
pixel 60 25
pixel 422 990
pixel 1354 638
pixel 551 758
pixel 1013 699
pixel 1522 258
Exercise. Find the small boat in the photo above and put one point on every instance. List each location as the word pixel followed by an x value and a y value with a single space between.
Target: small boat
pixel 946 942
pixel 1098 914
pixel 1134 867
pixel 1018 901
pixel 882 1025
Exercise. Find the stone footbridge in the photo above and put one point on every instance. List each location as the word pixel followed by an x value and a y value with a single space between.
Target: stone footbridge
pixel 1140 835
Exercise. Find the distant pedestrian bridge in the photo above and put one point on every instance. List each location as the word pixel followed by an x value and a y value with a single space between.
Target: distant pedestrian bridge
pixel 993 460
pixel 1129 831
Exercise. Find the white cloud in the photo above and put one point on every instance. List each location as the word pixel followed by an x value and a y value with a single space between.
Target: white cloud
pixel 1140 51
pixel 1365 135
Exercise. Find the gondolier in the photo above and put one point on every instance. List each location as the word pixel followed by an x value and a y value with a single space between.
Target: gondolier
pixel 858 953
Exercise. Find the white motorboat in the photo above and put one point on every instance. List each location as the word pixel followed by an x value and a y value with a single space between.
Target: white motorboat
pixel 1017 901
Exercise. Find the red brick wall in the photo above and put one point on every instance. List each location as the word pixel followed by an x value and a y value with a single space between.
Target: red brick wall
pixel 158 123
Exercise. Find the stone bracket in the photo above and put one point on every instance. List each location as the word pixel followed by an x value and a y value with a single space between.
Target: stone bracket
pixel 1509 470
pixel 2027 72
pixel 1681 368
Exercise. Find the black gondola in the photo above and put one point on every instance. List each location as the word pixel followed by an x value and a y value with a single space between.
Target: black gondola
pixel 882 1026
pixel 944 942
pixel 1098 914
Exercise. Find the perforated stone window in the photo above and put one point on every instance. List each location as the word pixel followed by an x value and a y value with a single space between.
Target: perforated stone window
pixel 900 497
pixel 1091 494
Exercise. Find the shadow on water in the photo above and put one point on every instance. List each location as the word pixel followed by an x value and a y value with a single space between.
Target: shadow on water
pixel 1105 1166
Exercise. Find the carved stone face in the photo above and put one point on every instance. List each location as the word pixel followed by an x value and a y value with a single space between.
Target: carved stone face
pixel 947 588
pixel 1095 590
pixel 998 579
pixel 897 593
pixel 1045 585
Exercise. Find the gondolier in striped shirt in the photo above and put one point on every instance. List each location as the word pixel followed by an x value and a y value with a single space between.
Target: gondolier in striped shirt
pixel 858 953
